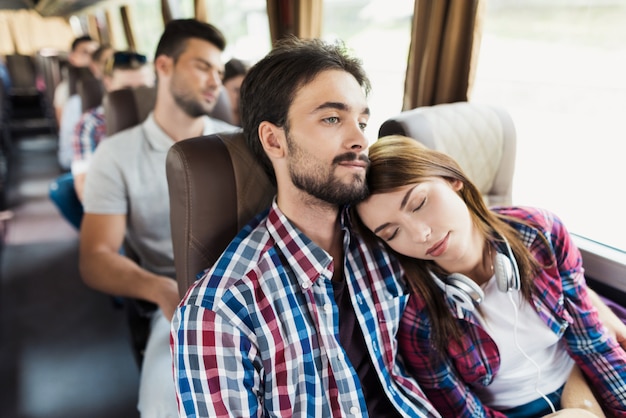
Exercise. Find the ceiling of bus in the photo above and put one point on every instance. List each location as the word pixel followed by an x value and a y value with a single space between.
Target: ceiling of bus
pixel 49 7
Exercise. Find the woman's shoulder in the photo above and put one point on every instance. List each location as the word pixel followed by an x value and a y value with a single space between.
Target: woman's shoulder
pixel 538 218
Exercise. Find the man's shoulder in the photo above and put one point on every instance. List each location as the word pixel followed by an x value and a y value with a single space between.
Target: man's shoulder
pixel 241 259
pixel 214 125
pixel 122 146
pixel 245 250
pixel 535 217
pixel 126 138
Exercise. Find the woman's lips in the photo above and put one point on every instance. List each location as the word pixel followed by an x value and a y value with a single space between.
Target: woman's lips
pixel 439 248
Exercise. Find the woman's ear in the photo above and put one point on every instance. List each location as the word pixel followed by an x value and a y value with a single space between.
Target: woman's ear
pixel 457 185
pixel 272 139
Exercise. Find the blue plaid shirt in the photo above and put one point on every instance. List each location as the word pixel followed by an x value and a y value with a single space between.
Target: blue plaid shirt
pixel 560 299
pixel 258 335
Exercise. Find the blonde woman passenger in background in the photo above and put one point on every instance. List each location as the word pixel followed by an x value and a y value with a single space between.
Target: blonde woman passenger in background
pixel 500 315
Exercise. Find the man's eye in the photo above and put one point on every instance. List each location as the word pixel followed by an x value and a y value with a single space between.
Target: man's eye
pixel 332 120
pixel 203 67
pixel 363 126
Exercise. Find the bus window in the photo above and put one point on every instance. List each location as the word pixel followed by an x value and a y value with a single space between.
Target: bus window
pixel 379 33
pixel 243 23
pixel 245 26
pixel 558 67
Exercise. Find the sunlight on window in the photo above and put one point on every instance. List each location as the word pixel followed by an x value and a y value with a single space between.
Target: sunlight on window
pixel 245 26
pixel 558 67
pixel 379 32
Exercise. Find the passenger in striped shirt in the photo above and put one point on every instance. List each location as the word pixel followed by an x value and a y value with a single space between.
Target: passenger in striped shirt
pixel 500 321
pixel 124 69
pixel 298 317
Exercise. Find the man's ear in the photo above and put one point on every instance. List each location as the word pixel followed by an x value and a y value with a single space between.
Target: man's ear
pixel 272 139
pixel 163 65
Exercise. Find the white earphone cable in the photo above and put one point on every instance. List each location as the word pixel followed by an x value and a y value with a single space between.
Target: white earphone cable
pixel 527 356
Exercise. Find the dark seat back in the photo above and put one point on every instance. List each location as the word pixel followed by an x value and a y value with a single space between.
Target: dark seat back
pixel 216 186
pixel 126 108
pixel 91 92
pixel 75 75
pixel 23 75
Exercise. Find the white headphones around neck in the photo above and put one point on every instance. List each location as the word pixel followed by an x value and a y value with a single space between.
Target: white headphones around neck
pixel 467 294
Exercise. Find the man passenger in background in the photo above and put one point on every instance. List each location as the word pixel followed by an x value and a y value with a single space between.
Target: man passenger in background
pixel 79 56
pixel 73 107
pixel 124 69
pixel 298 316
pixel 126 195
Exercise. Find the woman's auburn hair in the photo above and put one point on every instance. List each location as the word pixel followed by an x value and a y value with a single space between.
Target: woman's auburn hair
pixel 397 161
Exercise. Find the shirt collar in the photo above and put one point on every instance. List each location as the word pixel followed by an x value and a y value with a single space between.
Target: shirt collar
pixel 308 261
pixel 161 141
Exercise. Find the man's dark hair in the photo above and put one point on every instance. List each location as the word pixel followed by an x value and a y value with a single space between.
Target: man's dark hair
pixel 174 38
pixel 272 83
pixel 234 68
pixel 80 40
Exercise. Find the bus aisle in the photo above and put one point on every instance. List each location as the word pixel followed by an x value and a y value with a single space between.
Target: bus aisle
pixel 65 349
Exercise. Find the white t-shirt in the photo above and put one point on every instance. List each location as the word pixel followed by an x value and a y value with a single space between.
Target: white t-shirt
pixel 518 380
pixel 72 111
pixel 61 93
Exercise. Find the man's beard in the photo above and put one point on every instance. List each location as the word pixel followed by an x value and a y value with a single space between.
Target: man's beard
pixel 187 102
pixel 322 184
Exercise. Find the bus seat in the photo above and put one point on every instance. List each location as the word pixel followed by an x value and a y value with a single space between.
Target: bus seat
pixel 23 75
pixel 123 109
pixel 49 64
pixel 91 91
pixel 216 186
pixel 222 109
pixel 128 107
pixel 6 143
pixel 76 75
pixel 480 137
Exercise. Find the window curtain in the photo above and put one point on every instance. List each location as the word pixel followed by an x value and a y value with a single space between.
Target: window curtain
pixel 200 10
pixel 445 39
pixel 36 32
pixel 301 18
pixel 166 11
pixel 128 28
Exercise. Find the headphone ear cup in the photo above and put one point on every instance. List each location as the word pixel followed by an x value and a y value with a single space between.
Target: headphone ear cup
pixel 505 277
pixel 464 291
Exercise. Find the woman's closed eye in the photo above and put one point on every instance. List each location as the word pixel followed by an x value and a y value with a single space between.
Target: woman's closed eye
pixel 392 236
pixel 422 203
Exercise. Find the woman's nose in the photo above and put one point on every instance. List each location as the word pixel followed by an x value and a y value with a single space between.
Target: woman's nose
pixel 420 232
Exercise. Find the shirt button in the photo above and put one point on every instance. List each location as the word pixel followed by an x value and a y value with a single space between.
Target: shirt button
pixel 354 410
pixel 328 308
pixel 306 285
